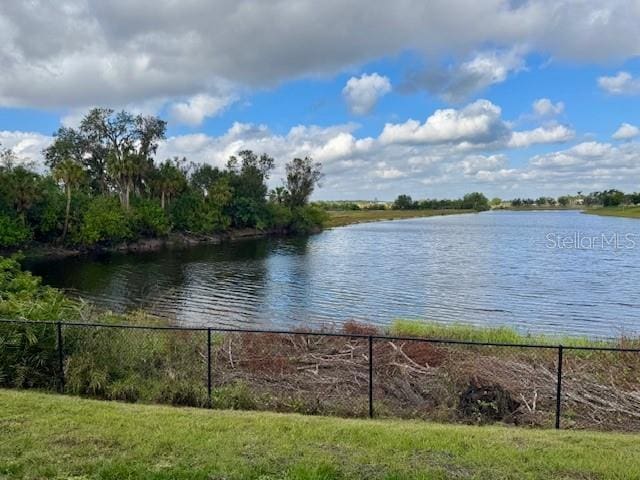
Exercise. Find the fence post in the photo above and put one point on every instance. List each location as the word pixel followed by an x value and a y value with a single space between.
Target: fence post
pixel 559 387
pixel 370 376
pixel 209 367
pixel 60 357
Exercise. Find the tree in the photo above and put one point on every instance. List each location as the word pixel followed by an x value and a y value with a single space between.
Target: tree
pixel 247 177
pixel 86 149
pixel 204 176
pixel 475 201
pixel 169 179
pixel 303 175
pixel 129 142
pixel 23 189
pixel 496 201
pixel 279 195
pixel 403 202
pixel 71 174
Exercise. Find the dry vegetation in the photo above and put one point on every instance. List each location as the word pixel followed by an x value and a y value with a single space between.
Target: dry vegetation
pixel 329 375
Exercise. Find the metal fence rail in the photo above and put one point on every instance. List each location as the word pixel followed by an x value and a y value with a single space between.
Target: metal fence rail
pixel 369 340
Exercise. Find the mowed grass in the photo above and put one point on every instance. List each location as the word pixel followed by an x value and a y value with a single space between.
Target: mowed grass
pixel 348 217
pixel 52 436
pixel 628 212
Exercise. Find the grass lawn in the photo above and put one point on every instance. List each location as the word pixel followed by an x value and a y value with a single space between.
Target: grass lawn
pixel 628 212
pixel 347 217
pixel 51 436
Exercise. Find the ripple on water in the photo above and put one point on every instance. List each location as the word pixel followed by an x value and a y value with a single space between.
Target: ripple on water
pixel 487 269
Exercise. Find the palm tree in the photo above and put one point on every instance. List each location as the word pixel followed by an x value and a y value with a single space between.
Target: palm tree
pixel 124 170
pixel 170 179
pixel 70 173
pixel 23 185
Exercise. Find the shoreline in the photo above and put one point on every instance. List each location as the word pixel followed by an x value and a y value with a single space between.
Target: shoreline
pixel 343 218
pixel 620 212
pixel 180 240
pixel 176 240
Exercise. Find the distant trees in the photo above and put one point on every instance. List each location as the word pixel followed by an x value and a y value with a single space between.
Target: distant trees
pixel 403 202
pixel 475 201
pixel 471 201
pixel 605 198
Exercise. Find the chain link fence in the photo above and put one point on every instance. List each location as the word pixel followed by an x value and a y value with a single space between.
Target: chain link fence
pixel 358 373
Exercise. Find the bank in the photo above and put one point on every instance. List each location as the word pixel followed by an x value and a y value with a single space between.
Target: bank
pixel 174 240
pixel 622 211
pixel 179 240
pixel 343 218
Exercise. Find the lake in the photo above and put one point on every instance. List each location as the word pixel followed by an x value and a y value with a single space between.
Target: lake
pixel 552 272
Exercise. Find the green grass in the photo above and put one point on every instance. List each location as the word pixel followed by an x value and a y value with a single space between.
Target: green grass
pixel 348 217
pixel 627 212
pixel 416 328
pixel 51 436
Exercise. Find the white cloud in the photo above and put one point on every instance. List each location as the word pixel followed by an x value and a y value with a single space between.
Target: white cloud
pixel 626 131
pixel 539 135
pixel 78 53
pixel 477 123
pixel 621 84
pixel 27 146
pixel 457 82
pixel 384 171
pixel 474 164
pixel 362 93
pixel 197 108
pixel 543 107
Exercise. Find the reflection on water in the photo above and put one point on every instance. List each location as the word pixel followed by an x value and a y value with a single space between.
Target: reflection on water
pixel 491 268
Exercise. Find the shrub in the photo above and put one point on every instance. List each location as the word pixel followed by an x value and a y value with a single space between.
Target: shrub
pixel 234 397
pixel 105 222
pixel 148 219
pixel 183 392
pixel 307 219
pixel 192 213
pixel 13 232
pixel 280 216
pixel 28 352
pixel 23 296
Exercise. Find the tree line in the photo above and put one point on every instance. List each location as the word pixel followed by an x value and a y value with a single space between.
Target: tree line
pixel 471 201
pixel 605 198
pixel 103 185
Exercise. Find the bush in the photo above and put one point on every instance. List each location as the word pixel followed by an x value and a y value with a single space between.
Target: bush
pixel 307 219
pixel 148 219
pixel 192 213
pixel 13 233
pixel 23 296
pixel 280 216
pixel 105 222
pixel 236 396
pixel 47 214
pixel 28 352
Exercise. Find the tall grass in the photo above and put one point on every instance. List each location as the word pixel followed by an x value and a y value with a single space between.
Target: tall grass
pixel 497 334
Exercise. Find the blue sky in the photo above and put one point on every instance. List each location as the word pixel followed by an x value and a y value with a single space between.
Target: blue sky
pixel 433 99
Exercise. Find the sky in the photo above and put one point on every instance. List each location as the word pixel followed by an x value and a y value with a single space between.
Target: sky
pixel 432 99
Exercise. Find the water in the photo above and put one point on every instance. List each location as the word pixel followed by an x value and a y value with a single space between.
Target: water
pixel 494 268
